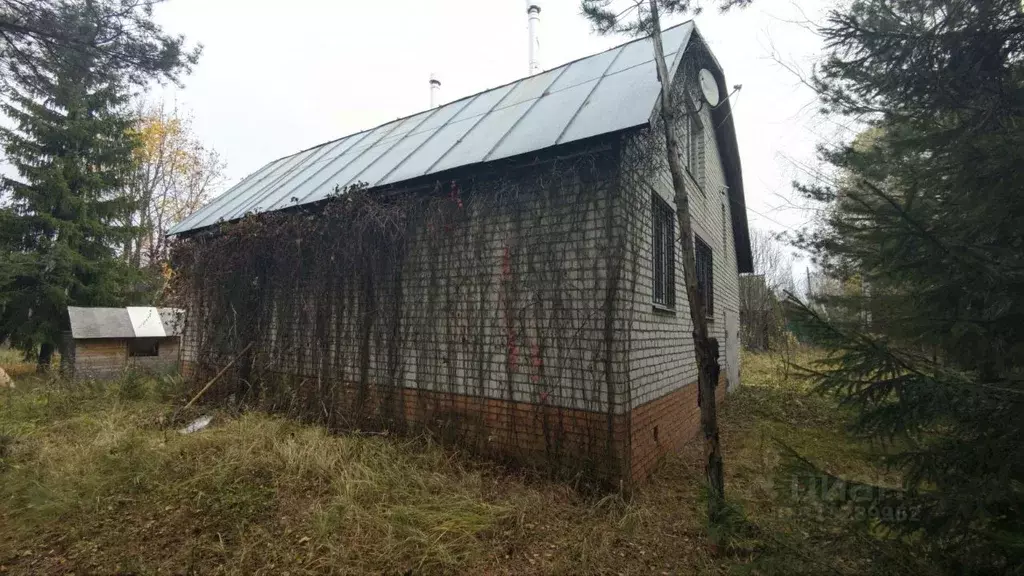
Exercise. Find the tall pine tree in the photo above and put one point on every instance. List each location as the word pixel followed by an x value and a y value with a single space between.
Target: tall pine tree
pixel 926 221
pixel 129 41
pixel 60 224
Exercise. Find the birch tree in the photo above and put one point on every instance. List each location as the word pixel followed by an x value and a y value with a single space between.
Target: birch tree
pixel 175 174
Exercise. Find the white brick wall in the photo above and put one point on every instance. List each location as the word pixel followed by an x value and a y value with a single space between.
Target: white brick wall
pixel 454 329
pixel 459 303
pixel 661 356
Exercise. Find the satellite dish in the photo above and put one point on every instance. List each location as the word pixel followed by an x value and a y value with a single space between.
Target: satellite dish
pixel 708 86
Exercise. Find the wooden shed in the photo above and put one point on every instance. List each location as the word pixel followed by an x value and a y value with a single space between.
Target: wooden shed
pixel 104 342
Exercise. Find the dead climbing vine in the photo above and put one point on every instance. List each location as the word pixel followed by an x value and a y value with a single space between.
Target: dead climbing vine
pixel 421 307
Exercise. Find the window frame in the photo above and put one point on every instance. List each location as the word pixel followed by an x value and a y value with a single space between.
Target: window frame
pixel 143 347
pixel 663 253
pixel 704 260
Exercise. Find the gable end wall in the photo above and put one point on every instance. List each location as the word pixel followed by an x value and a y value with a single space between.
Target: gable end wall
pixel 663 370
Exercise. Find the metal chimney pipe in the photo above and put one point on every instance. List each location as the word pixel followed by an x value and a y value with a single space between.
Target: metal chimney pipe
pixel 435 87
pixel 533 13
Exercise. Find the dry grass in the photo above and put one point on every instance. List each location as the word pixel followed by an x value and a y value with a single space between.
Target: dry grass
pixel 13 362
pixel 93 481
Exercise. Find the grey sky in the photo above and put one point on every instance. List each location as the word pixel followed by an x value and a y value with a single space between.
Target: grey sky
pixel 277 77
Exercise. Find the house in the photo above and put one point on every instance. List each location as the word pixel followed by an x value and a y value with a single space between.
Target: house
pixel 504 276
pixel 104 342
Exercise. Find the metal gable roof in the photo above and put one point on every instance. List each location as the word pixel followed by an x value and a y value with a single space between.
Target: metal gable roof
pixel 599 94
pixel 130 322
pixel 100 323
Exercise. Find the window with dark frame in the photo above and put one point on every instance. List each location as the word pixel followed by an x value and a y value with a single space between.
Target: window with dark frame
pixel 663 252
pixel 143 347
pixel 705 275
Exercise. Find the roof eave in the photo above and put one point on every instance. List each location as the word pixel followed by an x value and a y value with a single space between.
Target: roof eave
pixel 543 155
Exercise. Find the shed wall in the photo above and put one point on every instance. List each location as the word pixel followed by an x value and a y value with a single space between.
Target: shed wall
pixel 100 359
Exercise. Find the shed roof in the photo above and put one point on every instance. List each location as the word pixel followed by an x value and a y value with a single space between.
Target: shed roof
pixel 132 322
pixel 603 93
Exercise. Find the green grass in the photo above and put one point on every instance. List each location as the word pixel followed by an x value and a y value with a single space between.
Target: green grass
pixel 94 480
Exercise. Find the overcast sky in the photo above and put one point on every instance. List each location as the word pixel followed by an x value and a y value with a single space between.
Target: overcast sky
pixel 279 76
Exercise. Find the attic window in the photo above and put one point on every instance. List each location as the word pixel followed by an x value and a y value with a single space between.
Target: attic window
pixel 663 252
pixel 142 347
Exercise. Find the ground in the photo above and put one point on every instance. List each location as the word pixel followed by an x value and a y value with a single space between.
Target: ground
pixel 94 480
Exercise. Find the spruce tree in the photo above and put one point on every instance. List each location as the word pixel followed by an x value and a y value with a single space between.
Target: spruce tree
pixel 128 42
pixel 62 221
pixel 924 223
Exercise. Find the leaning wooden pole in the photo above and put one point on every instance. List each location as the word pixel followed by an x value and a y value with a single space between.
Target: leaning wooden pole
pixel 217 376
pixel 706 349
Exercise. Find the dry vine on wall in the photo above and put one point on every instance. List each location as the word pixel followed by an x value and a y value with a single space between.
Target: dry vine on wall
pixel 447 308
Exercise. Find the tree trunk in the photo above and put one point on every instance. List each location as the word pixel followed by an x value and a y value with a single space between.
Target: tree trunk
pixel 706 349
pixel 707 382
pixel 45 358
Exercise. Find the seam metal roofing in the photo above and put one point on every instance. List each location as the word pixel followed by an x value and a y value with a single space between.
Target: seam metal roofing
pixel 130 322
pixel 602 93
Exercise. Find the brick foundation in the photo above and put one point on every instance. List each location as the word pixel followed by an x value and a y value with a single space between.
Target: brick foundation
pixel 608 448
pixel 565 441
pixel 663 425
